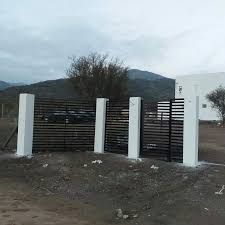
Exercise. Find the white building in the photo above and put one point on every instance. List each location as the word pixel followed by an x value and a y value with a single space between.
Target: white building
pixel 201 84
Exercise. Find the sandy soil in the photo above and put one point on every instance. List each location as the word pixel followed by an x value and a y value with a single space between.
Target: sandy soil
pixel 212 144
pixel 67 188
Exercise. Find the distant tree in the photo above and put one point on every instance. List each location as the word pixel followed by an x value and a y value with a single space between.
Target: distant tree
pixel 98 75
pixel 217 99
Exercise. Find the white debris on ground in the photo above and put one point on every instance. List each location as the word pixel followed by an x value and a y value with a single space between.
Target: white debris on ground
pixel 85 165
pixel 100 176
pixel 154 167
pixel 97 161
pixel 125 217
pixel 119 214
pixel 45 165
pixel 206 209
pixel 220 192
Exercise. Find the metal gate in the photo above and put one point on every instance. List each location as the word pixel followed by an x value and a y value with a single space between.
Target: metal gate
pixel 117 122
pixel 162 130
pixel 61 125
pixel 9 108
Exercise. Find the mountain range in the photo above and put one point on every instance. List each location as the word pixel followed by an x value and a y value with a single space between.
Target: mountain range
pixel 145 84
pixel 4 85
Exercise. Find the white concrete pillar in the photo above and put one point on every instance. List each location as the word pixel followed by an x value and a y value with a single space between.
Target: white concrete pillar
pixel 25 125
pixel 134 128
pixel 191 131
pixel 100 125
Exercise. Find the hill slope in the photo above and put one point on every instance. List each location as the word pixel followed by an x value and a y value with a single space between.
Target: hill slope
pixel 150 86
pixel 139 74
pixel 4 85
pixel 150 90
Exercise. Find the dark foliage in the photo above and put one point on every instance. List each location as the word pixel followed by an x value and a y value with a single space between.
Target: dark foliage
pixel 98 76
pixel 217 99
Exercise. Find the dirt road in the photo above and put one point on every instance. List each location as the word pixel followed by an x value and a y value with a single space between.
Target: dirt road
pixel 73 188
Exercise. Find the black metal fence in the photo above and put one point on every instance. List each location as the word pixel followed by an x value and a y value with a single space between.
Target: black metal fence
pixel 117 122
pixel 8 123
pixel 61 125
pixel 162 130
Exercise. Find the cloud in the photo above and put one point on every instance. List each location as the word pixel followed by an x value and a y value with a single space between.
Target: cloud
pixel 167 37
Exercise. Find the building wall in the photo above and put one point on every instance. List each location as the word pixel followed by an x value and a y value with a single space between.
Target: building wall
pixel 201 84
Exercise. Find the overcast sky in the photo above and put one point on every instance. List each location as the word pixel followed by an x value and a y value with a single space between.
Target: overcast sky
pixel 169 37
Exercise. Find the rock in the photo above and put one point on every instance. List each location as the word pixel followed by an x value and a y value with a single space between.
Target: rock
pixel 85 165
pixel 135 216
pixel 154 167
pixel 125 217
pixel 97 161
pixel 119 213
pixel 220 192
pixel 45 165
pixel 66 178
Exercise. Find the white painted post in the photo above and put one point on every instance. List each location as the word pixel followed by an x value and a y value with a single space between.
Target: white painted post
pixel 25 125
pixel 100 125
pixel 191 131
pixel 134 128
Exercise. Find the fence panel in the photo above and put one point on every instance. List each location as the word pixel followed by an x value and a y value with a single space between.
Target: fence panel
pixel 117 122
pixel 162 130
pixel 61 125
pixel 8 123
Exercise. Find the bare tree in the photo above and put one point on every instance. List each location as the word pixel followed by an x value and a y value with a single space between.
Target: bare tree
pixel 217 99
pixel 98 75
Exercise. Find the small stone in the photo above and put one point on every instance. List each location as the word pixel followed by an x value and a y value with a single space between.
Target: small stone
pixel 97 161
pixel 45 165
pixel 119 213
pixel 135 216
pixel 66 178
pixel 85 165
pixel 125 217
pixel 154 167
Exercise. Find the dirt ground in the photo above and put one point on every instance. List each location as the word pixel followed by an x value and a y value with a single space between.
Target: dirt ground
pixel 212 144
pixel 69 188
